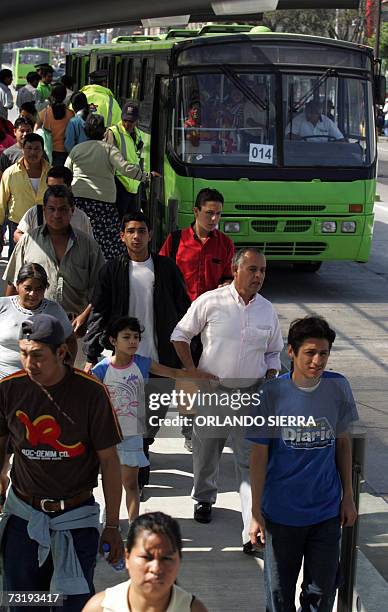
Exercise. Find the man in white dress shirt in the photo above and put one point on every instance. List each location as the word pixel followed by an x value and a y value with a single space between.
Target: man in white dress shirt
pixel 241 341
pixel 313 126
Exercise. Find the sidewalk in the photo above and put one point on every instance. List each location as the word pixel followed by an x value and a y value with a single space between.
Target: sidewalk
pixel 214 567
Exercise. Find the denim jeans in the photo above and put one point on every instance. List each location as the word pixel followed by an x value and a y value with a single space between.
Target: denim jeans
pixel 285 549
pixel 22 572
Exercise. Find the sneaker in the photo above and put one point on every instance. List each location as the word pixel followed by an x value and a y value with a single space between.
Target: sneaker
pixel 203 512
pixel 188 445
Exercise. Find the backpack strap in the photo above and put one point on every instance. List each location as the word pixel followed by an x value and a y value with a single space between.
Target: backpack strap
pixel 175 240
pixel 39 214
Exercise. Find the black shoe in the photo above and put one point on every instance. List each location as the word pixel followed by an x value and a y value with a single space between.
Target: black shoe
pixel 252 550
pixel 203 512
pixel 188 445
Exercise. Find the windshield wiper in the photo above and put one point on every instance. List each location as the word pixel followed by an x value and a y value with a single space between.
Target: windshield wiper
pixel 298 105
pixel 242 86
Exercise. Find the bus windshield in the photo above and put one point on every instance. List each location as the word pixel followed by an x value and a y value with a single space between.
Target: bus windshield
pixel 237 118
pixel 34 57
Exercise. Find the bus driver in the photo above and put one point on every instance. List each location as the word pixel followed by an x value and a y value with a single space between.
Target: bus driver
pixel 313 126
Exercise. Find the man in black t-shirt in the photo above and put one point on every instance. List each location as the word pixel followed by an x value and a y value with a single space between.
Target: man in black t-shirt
pixel 62 429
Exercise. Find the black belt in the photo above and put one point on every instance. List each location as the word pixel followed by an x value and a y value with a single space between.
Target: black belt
pixel 47 504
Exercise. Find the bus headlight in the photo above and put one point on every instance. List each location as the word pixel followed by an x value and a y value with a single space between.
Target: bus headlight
pixel 231 227
pixel 348 227
pixel 328 227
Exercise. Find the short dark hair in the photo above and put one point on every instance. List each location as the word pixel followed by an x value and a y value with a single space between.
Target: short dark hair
pixel 5 74
pixel 32 76
pixel 46 70
pixel 67 80
pixel 115 326
pixel 33 137
pixel 313 105
pixel 29 107
pixel 58 191
pixel 23 121
pixel 95 126
pixel 208 195
pixel 61 172
pixel 79 101
pixel 159 523
pixel 33 270
pixel 309 327
pixel 135 216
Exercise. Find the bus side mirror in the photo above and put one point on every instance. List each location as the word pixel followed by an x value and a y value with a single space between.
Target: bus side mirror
pixel 380 89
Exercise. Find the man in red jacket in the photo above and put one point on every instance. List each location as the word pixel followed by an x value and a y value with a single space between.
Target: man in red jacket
pixel 204 256
pixel 202 252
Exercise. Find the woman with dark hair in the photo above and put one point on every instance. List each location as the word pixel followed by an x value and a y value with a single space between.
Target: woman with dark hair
pixel 30 286
pixel 93 164
pixel 152 558
pixel 55 118
pixel 75 130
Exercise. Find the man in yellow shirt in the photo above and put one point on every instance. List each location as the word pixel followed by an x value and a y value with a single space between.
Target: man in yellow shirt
pixel 23 184
pixel 128 139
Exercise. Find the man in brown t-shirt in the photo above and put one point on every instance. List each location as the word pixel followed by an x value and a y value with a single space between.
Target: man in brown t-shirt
pixel 62 429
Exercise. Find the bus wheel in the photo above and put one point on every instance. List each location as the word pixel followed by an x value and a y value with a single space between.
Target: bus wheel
pixel 307 266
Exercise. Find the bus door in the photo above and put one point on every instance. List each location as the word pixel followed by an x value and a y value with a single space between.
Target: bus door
pixel 159 125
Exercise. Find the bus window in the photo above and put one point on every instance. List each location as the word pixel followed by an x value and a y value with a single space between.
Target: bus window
pixel 135 79
pixel 112 73
pixel 323 126
pixel 146 92
pixel 225 118
pixel 125 78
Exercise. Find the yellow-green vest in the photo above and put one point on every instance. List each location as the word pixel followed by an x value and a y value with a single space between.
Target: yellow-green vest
pixel 103 102
pixel 129 149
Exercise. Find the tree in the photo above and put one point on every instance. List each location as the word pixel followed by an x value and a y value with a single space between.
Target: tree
pixel 343 24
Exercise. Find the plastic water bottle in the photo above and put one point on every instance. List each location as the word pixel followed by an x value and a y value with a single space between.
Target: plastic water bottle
pixel 120 565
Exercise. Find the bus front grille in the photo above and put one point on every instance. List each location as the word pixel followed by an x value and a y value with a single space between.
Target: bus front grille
pixel 288 249
pixel 264 225
pixel 297 225
pixel 282 207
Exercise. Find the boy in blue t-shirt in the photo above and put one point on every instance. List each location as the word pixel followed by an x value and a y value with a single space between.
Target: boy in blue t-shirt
pixel 301 473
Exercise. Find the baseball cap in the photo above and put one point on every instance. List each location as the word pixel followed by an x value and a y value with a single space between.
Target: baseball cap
pixel 130 112
pixel 42 328
pixel 98 75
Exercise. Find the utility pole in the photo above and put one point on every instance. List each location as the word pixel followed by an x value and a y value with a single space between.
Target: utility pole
pixel 378 26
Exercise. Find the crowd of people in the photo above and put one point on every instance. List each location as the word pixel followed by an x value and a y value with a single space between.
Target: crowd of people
pixel 81 279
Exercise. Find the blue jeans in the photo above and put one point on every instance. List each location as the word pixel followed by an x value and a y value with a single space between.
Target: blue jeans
pixel 285 549
pixel 22 572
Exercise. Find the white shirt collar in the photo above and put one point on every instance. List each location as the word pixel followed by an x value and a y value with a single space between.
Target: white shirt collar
pixel 237 297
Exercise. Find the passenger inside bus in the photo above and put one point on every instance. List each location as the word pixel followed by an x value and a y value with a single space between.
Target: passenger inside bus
pixel 313 126
pixel 258 119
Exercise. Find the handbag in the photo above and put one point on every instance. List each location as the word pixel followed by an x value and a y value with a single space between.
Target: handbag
pixel 47 140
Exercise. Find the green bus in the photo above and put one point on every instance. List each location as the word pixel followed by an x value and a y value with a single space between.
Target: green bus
pixel 24 61
pixel 227 106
